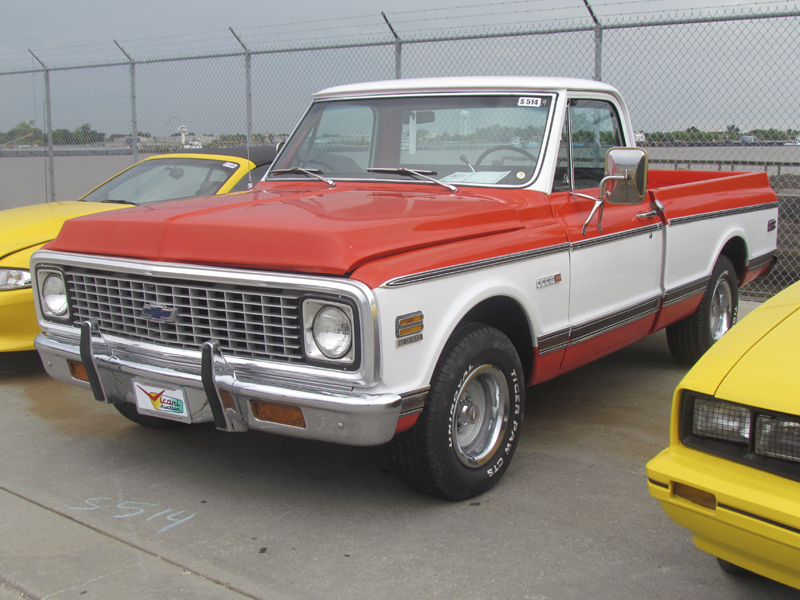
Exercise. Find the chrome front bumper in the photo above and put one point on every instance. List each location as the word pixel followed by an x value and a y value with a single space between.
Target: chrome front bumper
pixel 338 415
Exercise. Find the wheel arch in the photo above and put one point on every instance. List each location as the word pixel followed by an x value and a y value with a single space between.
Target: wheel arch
pixel 735 249
pixel 507 315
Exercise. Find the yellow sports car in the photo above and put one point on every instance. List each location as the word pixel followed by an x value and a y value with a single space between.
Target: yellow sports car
pixel 158 178
pixel 731 474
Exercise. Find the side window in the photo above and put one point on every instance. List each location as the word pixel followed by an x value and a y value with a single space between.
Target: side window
pixel 595 129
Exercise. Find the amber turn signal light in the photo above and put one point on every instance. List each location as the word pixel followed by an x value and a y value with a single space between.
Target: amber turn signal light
pixel 78 371
pixel 692 494
pixel 277 413
pixel 409 324
pixel 227 399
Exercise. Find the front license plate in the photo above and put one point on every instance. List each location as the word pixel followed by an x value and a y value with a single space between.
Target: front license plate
pixel 158 401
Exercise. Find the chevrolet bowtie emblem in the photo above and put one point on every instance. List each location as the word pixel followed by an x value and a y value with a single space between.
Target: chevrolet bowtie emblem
pixel 159 314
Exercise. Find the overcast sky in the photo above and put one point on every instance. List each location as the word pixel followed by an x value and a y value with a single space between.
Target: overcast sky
pixel 63 33
pixel 709 76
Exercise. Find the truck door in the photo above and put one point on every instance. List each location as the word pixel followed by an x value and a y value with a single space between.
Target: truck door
pixel 615 273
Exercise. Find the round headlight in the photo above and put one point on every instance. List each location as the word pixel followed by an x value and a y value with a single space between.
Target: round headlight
pixel 333 332
pixel 54 295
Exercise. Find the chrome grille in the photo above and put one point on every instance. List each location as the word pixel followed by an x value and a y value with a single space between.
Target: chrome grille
pixel 248 321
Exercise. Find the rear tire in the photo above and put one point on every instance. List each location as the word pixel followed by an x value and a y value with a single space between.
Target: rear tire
pixel 469 428
pixel 128 410
pixel 691 337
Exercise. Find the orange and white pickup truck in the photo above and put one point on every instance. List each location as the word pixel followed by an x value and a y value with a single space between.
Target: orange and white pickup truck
pixel 419 253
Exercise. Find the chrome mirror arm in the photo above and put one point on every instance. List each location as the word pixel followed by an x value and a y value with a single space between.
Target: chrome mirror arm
pixel 598 204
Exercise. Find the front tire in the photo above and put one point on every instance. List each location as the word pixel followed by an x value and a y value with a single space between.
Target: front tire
pixel 691 337
pixel 468 431
pixel 733 569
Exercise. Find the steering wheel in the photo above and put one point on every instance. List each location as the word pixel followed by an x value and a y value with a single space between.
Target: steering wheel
pixel 486 153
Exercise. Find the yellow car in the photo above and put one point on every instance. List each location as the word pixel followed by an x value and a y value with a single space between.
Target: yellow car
pixel 157 178
pixel 731 474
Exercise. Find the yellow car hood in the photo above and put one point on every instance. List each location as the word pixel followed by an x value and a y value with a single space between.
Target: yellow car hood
pixel 756 363
pixel 28 226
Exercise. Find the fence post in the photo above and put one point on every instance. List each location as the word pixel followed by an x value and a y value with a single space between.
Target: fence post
pixel 598 53
pixel 49 124
pixel 598 44
pixel 134 124
pixel 398 48
pixel 248 90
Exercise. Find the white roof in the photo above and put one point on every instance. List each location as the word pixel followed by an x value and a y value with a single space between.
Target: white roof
pixel 465 84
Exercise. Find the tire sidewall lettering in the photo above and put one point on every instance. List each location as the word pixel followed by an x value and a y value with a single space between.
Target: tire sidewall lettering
pixel 500 460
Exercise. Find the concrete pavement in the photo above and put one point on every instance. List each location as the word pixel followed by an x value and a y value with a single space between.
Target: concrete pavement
pixel 93 506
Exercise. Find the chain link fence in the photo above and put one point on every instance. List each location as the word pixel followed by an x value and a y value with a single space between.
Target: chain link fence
pixel 711 93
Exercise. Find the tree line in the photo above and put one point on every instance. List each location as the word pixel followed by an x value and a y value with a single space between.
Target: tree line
pixel 733 134
pixel 26 134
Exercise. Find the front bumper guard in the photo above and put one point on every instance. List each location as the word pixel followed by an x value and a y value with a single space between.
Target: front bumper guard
pixel 216 394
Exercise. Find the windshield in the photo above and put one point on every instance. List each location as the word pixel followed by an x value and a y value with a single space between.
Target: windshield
pixel 471 140
pixel 164 179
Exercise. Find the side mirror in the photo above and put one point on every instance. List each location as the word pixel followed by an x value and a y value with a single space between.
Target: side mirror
pixel 626 176
pixel 279 145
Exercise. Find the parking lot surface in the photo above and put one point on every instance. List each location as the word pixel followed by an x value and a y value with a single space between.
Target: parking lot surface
pixel 94 506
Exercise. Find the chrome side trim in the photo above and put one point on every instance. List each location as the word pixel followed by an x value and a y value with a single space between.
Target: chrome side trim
pixel 722 213
pixel 615 237
pixel 563 338
pixel 413 402
pixel 758 262
pixel 688 290
pixel 474 266
pixel 516 257
pixel 553 341
pixel 592 329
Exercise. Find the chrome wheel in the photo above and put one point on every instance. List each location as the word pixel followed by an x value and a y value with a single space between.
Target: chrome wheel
pixel 721 309
pixel 480 415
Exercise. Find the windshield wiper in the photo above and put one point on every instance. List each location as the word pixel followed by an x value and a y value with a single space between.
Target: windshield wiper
pixel 120 202
pixel 418 173
pixel 310 172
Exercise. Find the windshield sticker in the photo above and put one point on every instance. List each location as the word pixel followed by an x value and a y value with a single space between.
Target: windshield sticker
pixel 534 102
pixel 476 177
pixel 230 165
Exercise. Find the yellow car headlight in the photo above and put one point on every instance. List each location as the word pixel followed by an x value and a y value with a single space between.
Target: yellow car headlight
pixel 721 420
pixel 778 438
pixel 14 279
pixel 750 435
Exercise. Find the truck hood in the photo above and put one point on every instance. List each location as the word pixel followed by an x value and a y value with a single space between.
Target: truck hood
pixel 314 230
pixel 29 226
